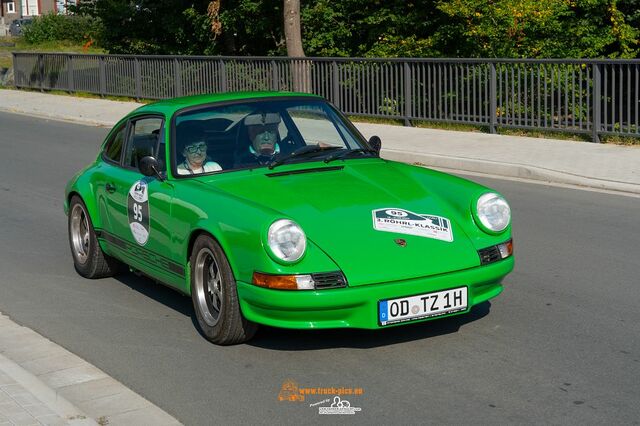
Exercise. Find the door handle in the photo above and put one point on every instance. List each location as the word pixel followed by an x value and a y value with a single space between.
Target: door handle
pixel 111 188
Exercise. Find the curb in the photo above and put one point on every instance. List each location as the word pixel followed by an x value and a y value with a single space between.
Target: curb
pixel 75 390
pixel 66 119
pixel 63 408
pixel 521 171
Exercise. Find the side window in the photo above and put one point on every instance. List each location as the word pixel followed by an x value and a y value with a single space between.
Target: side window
pixel 113 148
pixel 144 138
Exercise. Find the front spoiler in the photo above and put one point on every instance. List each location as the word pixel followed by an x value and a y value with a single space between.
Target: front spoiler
pixel 357 307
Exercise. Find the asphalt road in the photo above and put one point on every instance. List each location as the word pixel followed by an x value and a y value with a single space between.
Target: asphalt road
pixel 560 345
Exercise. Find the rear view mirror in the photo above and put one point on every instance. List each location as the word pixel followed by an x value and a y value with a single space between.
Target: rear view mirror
pixel 149 167
pixel 375 143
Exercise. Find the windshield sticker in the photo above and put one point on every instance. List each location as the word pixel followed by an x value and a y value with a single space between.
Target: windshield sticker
pixel 138 211
pixel 405 222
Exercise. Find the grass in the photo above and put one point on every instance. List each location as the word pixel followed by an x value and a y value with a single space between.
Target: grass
pixel 51 46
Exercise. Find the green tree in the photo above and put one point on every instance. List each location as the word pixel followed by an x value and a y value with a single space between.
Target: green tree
pixel 534 29
pixel 148 26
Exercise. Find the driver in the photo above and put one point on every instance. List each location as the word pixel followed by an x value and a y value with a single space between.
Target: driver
pixel 263 134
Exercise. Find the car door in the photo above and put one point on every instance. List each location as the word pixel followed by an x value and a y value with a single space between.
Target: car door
pixel 138 207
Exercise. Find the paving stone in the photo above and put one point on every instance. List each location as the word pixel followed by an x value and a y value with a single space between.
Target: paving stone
pixel 51 421
pixel 9 335
pixel 26 399
pixel 22 419
pixel 72 376
pixel 53 363
pixel 91 390
pixel 10 407
pixel 4 397
pixel 14 389
pixel 36 348
pixel 113 404
pixel 151 416
pixel 5 380
pixel 38 410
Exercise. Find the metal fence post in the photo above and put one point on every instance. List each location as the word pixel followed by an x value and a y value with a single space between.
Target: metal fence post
pixel 275 84
pixel 138 78
pixel 102 76
pixel 596 104
pixel 407 95
pixel 493 99
pixel 41 71
pixel 70 82
pixel 223 76
pixel 335 84
pixel 177 71
pixel 16 73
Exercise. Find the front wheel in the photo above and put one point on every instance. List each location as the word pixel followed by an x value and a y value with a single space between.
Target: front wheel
pixel 215 295
pixel 88 258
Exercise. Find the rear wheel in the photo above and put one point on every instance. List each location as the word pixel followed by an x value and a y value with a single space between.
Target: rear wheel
pixel 88 258
pixel 215 295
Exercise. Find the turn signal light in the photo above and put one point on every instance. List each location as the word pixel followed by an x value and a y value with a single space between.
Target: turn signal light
pixel 284 282
pixel 506 249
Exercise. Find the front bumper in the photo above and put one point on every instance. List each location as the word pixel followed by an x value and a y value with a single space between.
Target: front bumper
pixel 357 307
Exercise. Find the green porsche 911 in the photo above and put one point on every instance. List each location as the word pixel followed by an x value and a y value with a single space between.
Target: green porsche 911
pixel 271 208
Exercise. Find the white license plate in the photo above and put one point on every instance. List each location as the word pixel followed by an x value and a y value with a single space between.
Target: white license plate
pixel 422 306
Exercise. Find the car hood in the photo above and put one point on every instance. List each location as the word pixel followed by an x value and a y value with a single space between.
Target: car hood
pixel 335 206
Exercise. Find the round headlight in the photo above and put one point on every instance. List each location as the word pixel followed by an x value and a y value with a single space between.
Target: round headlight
pixel 494 212
pixel 287 240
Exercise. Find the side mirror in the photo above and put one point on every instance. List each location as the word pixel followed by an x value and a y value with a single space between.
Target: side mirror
pixel 149 167
pixel 375 143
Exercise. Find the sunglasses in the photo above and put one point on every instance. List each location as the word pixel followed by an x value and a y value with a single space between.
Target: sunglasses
pixel 192 149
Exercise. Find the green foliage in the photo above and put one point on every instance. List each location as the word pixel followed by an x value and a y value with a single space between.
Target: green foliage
pixel 149 26
pixel 376 28
pixel 534 29
pixel 51 27
pixel 252 27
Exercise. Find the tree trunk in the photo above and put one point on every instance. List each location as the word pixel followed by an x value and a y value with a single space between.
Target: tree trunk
pixel 300 69
pixel 292 31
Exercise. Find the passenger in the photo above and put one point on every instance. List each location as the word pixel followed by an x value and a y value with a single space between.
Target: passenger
pixel 195 159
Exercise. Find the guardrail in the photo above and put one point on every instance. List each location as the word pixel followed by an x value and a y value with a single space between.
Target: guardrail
pixel 595 97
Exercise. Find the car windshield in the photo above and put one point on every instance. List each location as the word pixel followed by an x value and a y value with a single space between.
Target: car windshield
pixel 259 134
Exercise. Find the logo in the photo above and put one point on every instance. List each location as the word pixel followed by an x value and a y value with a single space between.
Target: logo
pixel 138 211
pixel 409 223
pixel 290 392
pixel 339 406
pixel 401 242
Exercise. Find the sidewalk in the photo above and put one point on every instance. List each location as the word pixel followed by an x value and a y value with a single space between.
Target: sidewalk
pixel 41 383
pixel 609 167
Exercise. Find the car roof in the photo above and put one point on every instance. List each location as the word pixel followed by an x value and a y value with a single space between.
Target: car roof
pixel 169 106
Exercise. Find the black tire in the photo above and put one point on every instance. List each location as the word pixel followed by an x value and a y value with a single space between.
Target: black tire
pixel 215 296
pixel 88 258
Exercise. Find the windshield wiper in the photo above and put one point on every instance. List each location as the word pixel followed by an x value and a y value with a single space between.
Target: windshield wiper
pixel 301 152
pixel 348 152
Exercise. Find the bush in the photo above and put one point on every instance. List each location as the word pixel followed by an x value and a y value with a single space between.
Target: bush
pixel 52 27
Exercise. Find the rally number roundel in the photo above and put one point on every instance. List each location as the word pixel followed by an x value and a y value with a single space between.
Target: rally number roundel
pixel 138 211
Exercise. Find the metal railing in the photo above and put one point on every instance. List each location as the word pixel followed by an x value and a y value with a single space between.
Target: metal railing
pixel 595 97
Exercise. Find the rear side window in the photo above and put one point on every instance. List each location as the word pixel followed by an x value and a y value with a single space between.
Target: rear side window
pixel 143 140
pixel 113 149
